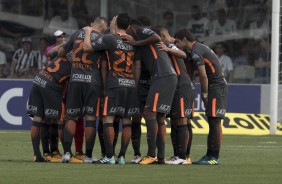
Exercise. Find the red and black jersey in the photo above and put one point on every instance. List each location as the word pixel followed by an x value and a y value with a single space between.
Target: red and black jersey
pixel 184 82
pixel 85 65
pixel 157 62
pixel 121 58
pixel 203 55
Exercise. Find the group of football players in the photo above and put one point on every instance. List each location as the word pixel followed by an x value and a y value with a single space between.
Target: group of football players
pixel 122 74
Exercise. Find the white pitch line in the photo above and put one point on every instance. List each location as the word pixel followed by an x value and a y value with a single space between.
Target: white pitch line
pixel 274 142
pixel 12 132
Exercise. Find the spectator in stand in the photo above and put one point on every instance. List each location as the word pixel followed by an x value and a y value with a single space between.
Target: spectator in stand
pixel 199 25
pixel 222 25
pixel 41 58
pixel 245 55
pixel 11 6
pixel 260 28
pixel 51 8
pixel 59 37
pixel 3 59
pixel 168 21
pixel 64 21
pixel 9 51
pixel 5 31
pixel 80 12
pixel 24 61
pixel 226 62
pixel 210 8
pixel 262 62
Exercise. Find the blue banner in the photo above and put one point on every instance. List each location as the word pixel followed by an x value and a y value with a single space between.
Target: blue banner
pixel 14 97
pixel 13 101
pixel 241 99
pixel 244 99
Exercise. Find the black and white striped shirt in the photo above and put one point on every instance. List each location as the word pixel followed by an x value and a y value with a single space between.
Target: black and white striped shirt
pixel 25 60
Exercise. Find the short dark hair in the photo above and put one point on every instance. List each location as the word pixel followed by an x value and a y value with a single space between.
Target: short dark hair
pixel 123 21
pixel 219 44
pixel 261 10
pixel 64 7
pixel 196 7
pixel 168 13
pixel 43 39
pixel 221 11
pixel 184 33
pixel 145 20
pixel 135 22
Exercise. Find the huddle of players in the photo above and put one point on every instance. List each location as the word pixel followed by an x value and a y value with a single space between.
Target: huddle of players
pixel 137 76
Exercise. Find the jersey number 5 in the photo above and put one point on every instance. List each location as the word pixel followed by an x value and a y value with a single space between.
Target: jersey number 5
pixel 52 68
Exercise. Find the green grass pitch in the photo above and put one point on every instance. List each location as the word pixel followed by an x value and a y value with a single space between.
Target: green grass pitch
pixel 245 159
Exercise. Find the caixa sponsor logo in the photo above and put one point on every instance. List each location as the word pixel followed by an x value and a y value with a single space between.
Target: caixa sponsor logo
pixel 188 112
pixel 221 111
pixel 88 109
pixel 133 111
pixel 32 108
pixel 4 100
pixel 51 112
pixel 73 111
pixel 117 110
pixel 165 107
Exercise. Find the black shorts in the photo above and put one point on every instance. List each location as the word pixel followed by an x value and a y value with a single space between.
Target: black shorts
pixel 82 99
pixel 161 94
pixel 217 101
pixel 183 105
pixel 142 92
pixel 121 102
pixel 45 102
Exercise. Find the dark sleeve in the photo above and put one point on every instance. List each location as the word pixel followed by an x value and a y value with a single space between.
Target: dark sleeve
pixel 69 44
pixel 137 55
pixel 101 42
pixel 197 59
pixel 144 33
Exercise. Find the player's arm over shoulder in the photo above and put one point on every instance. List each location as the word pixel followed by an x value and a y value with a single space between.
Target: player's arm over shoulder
pixel 174 50
pixel 147 37
pixel 68 46
pixel 101 42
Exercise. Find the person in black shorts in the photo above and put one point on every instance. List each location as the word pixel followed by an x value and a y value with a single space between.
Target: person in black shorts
pixel 213 91
pixel 45 100
pixel 116 124
pixel 79 131
pixel 50 129
pixel 84 89
pixel 119 75
pixel 161 92
pixel 142 91
pixel 182 108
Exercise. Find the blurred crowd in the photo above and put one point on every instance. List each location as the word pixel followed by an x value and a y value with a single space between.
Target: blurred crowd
pixel 238 31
